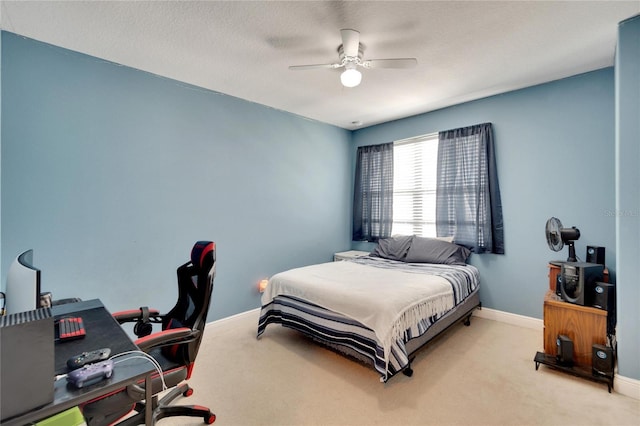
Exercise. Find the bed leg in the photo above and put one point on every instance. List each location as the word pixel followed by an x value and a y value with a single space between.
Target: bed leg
pixel 408 371
pixel 467 321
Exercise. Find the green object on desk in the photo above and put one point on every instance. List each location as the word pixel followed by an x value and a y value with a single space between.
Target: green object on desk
pixel 70 417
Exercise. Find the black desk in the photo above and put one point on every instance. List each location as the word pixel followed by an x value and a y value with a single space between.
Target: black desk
pixel 103 331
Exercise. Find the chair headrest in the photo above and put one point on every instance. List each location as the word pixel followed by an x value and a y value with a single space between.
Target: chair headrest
pixel 203 255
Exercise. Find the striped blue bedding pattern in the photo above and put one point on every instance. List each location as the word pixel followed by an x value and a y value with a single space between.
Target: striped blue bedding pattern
pixel 339 330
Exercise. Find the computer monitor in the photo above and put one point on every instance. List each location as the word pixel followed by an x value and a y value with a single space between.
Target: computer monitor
pixel 23 285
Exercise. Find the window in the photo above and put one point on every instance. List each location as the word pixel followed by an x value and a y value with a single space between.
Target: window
pixel 438 184
pixel 415 167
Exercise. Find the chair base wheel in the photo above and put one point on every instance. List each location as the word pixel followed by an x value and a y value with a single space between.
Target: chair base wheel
pixel 210 418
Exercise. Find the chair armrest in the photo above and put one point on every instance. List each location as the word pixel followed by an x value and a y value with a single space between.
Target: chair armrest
pixel 166 337
pixel 132 315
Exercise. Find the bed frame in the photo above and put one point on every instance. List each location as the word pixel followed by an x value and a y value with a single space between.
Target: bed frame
pixel 461 312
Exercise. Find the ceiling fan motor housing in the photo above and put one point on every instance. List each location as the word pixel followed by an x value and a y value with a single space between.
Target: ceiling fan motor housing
pixel 344 58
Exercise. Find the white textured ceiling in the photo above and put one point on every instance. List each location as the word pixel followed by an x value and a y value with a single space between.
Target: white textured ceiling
pixel 465 50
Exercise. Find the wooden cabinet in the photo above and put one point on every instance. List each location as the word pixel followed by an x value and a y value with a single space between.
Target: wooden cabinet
pixel 584 325
pixel 554 271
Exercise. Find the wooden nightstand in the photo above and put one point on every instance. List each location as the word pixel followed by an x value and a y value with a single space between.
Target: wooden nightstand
pixel 350 254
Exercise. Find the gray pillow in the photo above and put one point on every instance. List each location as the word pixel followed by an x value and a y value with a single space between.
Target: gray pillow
pixel 431 250
pixel 393 248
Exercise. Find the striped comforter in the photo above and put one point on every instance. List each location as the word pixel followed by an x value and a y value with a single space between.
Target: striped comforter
pixel 292 302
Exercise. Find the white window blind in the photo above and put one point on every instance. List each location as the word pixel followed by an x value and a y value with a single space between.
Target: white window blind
pixel 415 164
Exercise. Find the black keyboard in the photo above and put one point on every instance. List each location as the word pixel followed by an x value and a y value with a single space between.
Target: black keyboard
pixel 70 328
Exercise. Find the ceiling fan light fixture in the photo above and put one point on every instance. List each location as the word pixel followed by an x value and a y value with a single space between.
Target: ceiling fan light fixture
pixel 351 77
pixel 350 58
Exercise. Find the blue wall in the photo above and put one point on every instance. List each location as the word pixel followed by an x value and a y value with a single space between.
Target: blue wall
pixel 628 190
pixel 555 157
pixel 111 174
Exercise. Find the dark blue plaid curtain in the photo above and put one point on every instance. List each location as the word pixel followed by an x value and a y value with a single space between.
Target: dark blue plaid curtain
pixel 468 202
pixel 373 193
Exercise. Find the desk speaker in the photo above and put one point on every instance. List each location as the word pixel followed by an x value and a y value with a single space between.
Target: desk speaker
pixel 603 296
pixel 602 360
pixel 559 285
pixel 595 254
pixel 565 350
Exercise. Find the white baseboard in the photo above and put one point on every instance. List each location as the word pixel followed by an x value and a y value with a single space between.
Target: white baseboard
pixel 509 318
pixel 626 386
pixel 240 315
pixel 622 385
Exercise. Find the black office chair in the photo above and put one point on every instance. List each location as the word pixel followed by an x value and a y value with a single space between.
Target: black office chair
pixel 175 348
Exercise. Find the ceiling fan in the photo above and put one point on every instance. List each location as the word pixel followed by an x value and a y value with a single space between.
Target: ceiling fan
pixel 350 58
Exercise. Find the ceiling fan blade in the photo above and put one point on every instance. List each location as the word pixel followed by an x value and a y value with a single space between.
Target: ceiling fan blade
pixel 313 67
pixel 350 42
pixel 390 63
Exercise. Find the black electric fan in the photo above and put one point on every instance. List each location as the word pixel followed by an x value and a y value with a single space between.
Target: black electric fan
pixel 557 237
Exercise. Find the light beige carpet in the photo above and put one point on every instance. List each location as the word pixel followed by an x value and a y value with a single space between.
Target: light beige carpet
pixel 478 375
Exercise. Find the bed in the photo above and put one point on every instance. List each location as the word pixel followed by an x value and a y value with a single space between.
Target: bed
pixel 381 308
